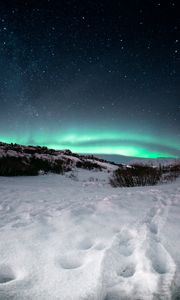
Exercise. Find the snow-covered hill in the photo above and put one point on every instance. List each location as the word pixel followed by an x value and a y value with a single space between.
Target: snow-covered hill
pixel 65 157
pixel 83 240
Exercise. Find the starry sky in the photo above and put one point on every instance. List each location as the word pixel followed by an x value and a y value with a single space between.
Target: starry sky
pixel 99 77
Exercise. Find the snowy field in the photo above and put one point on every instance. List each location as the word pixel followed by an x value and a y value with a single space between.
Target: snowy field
pixel 74 240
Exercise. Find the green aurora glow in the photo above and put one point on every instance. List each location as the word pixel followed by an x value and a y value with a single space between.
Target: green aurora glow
pixel 97 142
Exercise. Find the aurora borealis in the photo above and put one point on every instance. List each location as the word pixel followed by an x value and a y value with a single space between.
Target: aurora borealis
pixel 127 144
pixel 95 77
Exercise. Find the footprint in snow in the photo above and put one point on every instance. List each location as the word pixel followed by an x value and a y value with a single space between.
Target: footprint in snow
pixel 127 270
pixel 85 244
pixel 153 228
pixel 69 262
pixel 152 212
pixel 126 245
pixel 159 258
pixel 100 246
pixel 6 274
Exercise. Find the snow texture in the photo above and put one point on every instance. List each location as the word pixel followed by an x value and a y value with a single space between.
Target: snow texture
pixel 82 239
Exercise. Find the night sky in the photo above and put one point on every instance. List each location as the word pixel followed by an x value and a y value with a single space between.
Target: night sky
pixel 100 77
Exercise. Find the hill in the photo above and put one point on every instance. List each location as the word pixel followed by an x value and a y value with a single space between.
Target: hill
pixel 30 160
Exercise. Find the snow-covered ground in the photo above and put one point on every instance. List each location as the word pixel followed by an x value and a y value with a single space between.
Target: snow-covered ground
pixel 68 239
pixel 155 161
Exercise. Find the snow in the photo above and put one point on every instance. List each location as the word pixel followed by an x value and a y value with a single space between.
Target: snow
pixel 82 239
pixel 104 165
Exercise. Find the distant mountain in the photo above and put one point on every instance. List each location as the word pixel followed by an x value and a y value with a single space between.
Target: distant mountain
pixel 122 159
pixel 118 159
pixel 155 161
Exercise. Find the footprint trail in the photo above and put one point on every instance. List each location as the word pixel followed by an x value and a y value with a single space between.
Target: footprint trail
pixel 137 262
